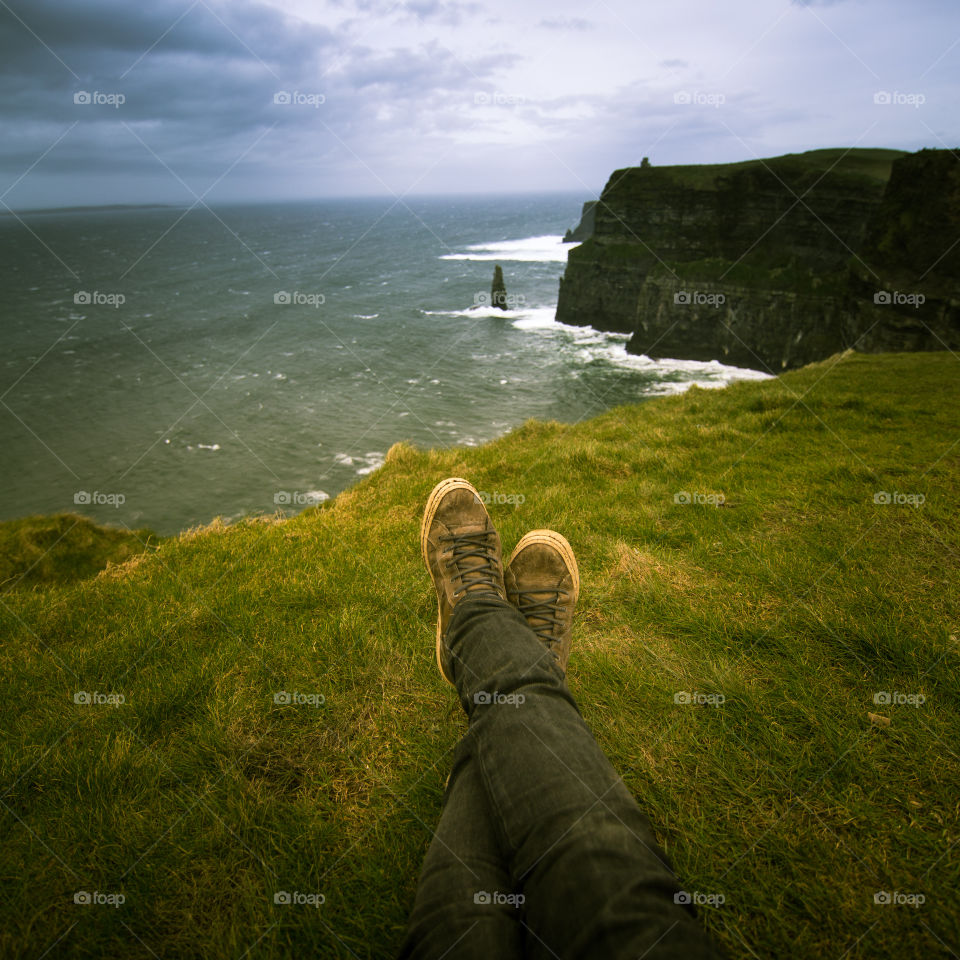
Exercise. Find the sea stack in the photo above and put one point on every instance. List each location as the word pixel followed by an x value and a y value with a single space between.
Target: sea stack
pixel 498 292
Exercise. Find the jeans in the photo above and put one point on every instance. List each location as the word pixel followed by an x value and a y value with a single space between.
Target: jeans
pixel 541 851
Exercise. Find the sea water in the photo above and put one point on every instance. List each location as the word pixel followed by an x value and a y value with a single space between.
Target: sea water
pixel 163 366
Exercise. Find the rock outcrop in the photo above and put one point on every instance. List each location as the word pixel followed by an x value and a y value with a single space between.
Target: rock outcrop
pixel 498 290
pixel 776 263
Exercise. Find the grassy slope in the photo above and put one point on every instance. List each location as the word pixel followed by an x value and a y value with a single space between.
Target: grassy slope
pixel 198 798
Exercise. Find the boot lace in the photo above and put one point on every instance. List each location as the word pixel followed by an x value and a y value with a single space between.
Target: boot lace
pixel 545 612
pixel 484 571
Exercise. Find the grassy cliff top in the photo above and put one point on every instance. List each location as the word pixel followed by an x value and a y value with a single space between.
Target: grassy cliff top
pixel 766 648
pixel 872 164
pixel 60 549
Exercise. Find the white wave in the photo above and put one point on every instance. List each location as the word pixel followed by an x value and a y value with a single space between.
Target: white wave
pixel 365 316
pixel 673 376
pixel 670 376
pixel 208 446
pixel 523 318
pixel 542 318
pixel 546 249
pixel 363 463
pixel 372 461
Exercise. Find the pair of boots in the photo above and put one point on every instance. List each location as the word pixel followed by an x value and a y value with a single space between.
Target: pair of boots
pixel 462 550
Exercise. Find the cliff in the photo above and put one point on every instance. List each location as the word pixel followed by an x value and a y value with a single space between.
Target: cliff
pixel 584 229
pixel 775 263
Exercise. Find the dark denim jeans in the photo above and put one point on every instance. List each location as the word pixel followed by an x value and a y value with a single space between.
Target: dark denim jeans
pixel 541 850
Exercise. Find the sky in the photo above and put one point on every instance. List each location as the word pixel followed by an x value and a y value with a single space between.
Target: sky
pixel 171 101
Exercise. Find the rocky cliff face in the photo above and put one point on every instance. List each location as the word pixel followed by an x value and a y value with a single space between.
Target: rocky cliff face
pixel 773 264
pixel 584 229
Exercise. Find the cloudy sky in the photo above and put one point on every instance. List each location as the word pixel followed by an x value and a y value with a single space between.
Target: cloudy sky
pixel 171 100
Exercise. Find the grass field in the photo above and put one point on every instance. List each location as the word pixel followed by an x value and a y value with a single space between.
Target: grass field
pixel 766 648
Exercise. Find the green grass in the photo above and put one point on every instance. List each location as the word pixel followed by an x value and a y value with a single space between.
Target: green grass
pixel 48 550
pixel 859 162
pixel 798 600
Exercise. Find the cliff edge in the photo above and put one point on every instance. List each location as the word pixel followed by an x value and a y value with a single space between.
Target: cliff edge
pixel 775 263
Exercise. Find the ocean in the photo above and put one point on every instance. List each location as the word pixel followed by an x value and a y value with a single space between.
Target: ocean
pixel 164 366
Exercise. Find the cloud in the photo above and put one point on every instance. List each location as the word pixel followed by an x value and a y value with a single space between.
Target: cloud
pixel 199 90
pixel 450 13
pixel 430 93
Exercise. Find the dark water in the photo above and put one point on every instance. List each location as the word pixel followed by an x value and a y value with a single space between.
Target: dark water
pixel 185 390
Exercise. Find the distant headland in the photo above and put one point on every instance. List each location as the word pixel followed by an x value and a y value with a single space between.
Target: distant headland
pixel 91 208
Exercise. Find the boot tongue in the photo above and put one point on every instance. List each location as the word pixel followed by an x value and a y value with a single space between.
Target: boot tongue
pixel 476 526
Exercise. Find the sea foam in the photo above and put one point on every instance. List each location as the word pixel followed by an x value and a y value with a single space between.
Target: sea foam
pixel 546 249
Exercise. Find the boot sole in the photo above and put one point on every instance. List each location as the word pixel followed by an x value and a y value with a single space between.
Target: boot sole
pixel 560 544
pixel 433 501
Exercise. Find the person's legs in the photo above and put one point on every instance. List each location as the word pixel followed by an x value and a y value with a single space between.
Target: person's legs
pixel 596 884
pixel 463 905
pixel 570 835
